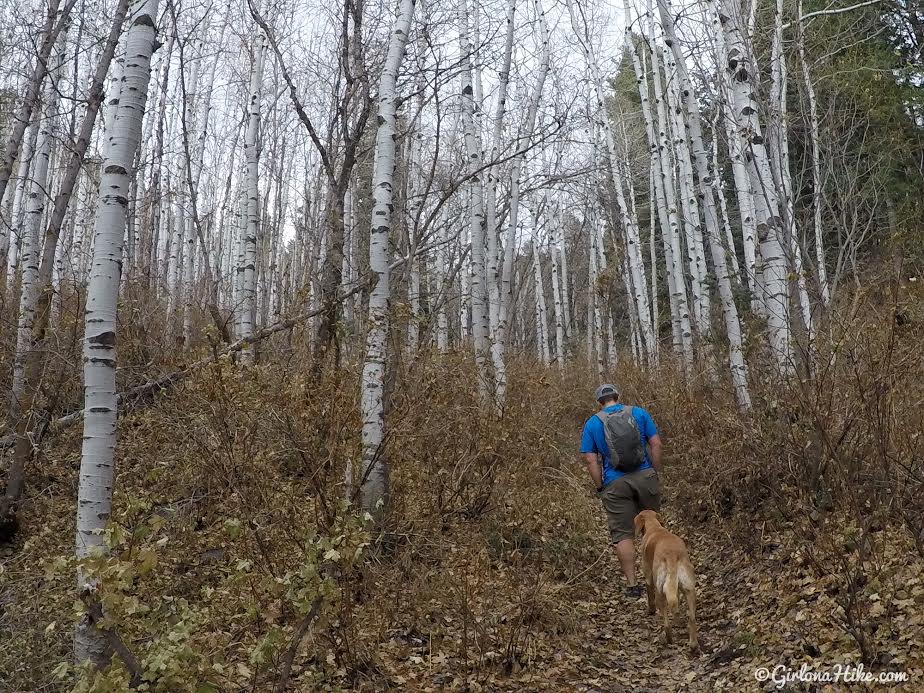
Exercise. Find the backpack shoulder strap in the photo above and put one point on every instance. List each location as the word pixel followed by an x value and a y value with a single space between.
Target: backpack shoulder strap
pixel 602 415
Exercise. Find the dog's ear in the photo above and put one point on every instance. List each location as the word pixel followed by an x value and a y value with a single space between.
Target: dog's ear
pixel 639 525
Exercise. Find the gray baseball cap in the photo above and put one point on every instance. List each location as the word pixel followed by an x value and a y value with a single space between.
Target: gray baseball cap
pixel 605 390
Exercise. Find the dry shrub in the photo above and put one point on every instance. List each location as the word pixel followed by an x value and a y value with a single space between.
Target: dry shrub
pixel 233 486
pixel 825 463
pixel 483 541
pixel 230 483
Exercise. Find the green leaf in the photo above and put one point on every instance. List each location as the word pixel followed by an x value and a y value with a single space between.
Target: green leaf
pixel 233 528
pixel 62 671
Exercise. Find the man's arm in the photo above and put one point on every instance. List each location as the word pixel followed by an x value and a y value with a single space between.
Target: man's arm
pixel 594 468
pixel 654 450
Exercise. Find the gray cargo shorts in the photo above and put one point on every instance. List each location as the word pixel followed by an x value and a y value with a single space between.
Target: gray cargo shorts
pixel 626 497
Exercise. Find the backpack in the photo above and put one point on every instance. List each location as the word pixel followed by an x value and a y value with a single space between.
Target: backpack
pixel 623 438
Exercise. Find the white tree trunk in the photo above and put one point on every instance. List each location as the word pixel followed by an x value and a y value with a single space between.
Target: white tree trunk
pixel 444 256
pixel 527 130
pixel 629 224
pixel 374 486
pixel 189 126
pixel 657 200
pixel 683 332
pixel 556 293
pixel 692 230
pixel 743 88
pixel 744 190
pixel 637 347
pixel 414 197
pixel 349 257
pixel 719 187
pixel 479 302
pixel 18 211
pixel 494 265
pixel 56 19
pixel 175 267
pixel 558 229
pixel 817 183
pixel 595 321
pixel 692 123
pixel 778 132
pixel 13 240
pixel 247 268
pixel 97 463
pixel 542 321
pixel 652 253
pixel 35 203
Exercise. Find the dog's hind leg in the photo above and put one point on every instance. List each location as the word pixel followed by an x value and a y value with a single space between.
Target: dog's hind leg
pixel 668 614
pixel 661 606
pixel 691 618
pixel 650 591
pixel 688 585
pixel 671 597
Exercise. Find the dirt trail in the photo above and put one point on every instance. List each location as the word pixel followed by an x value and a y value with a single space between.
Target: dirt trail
pixel 620 648
pixel 757 606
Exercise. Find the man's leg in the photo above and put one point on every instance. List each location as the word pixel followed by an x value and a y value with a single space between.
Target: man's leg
pixel 625 550
pixel 619 502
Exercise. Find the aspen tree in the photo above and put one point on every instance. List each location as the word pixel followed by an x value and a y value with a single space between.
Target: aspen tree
pixel 494 266
pixel 374 485
pixel 675 273
pixel 35 203
pixel 817 185
pixel 473 149
pixel 629 225
pixel 248 254
pixel 778 141
pixel 773 274
pixel 527 131
pixel 719 187
pixel 595 322
pixel 12 240
pixel 556 289
pixel 692 230
pixel 57 19
pixel 691 122
pixel 97 464
pixel 561 247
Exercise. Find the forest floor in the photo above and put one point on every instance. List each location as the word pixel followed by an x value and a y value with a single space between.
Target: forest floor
pixel 488 582
pixel 755 613
pixel 759 605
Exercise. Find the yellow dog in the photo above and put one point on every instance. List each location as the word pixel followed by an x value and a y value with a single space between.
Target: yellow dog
pixel 667 568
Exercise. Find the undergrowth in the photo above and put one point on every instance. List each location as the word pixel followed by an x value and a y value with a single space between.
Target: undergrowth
pixel 238 561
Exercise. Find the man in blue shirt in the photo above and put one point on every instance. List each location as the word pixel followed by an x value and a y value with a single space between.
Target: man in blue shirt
pixel 623 495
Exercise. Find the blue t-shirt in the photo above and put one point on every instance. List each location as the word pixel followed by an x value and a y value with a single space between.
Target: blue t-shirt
pixel 594 440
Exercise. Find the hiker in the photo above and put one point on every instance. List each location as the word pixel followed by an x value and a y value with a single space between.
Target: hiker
pixel 622 448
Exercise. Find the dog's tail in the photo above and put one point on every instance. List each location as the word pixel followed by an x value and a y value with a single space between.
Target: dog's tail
pixel 668 588
pixel 686 576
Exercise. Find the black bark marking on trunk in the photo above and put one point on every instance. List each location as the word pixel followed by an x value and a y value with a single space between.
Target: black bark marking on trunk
pixel 107 338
